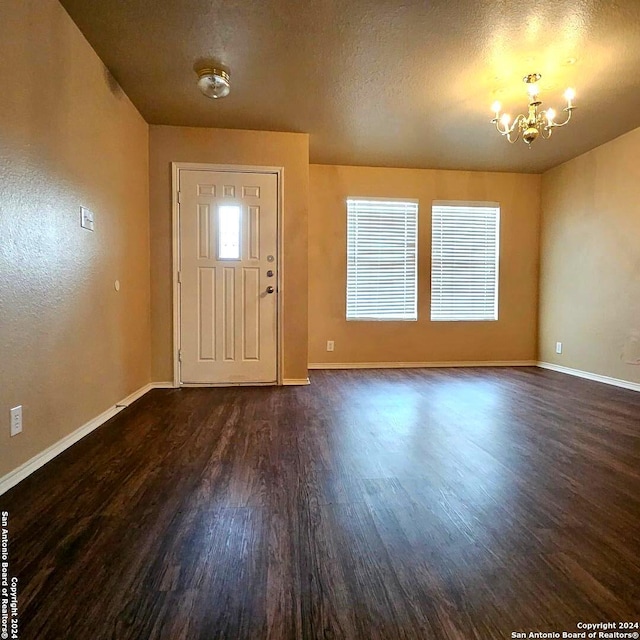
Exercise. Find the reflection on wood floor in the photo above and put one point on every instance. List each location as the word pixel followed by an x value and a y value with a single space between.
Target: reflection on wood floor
pixel 439 503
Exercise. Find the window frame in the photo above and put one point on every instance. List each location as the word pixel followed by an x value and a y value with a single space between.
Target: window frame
pixel 496 297
pixel 416 214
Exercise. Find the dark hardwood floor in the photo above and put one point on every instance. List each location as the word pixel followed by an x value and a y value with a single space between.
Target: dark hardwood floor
pixel 446 504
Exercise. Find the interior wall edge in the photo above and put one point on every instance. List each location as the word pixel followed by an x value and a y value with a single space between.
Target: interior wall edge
pixel 421 365
pixel 18 474
pixel 587 375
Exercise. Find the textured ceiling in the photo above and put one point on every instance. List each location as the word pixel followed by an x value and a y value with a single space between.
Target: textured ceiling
pixel 388 83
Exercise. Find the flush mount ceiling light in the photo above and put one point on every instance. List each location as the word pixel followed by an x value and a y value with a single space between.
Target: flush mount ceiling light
pixel 213 82
pixel 536 123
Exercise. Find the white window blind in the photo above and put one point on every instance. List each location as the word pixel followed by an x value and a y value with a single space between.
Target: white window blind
pixel 381 259
pixel 464 261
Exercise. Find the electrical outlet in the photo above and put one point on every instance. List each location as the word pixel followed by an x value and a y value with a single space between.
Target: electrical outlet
pixel 558 347
pixel 16 420
pixel 330 345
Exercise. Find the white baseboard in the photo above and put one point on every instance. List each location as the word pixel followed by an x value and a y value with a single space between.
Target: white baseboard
pixel 39 460
pixel 420 365
pixel 596 377
pixel 292 382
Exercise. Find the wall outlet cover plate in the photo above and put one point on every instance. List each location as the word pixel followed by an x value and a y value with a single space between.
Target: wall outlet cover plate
pixel 16 420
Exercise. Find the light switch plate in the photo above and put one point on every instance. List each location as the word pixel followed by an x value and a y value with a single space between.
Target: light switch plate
pixel 558 347
pixel 86 219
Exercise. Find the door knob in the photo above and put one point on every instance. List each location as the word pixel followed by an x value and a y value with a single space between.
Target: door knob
pixel 270 289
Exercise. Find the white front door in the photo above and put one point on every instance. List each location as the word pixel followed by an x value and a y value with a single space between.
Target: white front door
pixel 228 277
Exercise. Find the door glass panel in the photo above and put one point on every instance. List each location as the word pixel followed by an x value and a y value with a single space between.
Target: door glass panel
pixel 229 232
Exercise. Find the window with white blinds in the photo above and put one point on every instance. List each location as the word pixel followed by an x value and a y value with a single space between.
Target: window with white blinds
pixel 465 240
pixel 382 259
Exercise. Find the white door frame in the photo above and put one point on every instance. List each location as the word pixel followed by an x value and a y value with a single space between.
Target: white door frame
pixel 176 167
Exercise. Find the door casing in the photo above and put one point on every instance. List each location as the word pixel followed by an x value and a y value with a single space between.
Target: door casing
pixel 176 167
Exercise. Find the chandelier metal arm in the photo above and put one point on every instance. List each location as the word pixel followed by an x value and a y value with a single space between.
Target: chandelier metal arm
pixel 546 132
pixel 507 131
pixel 569 111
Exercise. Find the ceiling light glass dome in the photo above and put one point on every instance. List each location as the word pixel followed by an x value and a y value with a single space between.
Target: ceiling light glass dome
pixel 214 83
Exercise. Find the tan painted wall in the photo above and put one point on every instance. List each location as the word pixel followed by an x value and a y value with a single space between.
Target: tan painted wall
pixel 590 252
pixel 226 146
pixel 70 346
pixel 512 337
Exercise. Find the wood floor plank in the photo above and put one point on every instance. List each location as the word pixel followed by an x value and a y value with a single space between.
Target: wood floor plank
pixel 442 504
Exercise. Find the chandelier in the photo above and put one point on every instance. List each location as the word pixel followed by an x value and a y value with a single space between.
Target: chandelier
pixel 536 123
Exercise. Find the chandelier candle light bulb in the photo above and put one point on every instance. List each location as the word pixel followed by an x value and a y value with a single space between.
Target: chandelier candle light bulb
pixel 569 95
pixel 536 123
